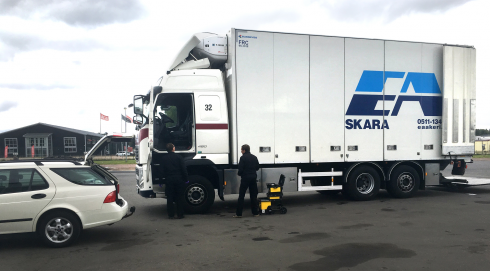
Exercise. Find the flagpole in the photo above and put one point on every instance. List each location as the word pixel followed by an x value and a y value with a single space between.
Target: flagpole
pixel 125 121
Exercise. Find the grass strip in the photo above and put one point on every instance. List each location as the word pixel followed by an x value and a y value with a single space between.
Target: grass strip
pixel 115 162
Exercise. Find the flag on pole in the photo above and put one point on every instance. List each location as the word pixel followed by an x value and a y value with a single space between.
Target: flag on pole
pixel 129 118
pixel 103 117
pixel 126 118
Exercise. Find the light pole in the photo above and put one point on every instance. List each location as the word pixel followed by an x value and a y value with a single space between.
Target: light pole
pixel 125 131
pixel 129 106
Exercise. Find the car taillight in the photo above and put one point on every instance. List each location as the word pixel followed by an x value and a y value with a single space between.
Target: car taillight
pixel 111 197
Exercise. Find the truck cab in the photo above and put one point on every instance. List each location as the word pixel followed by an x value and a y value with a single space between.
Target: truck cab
pixel 188 109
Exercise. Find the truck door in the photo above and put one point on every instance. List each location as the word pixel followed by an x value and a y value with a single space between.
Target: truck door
pixel 174 122
pixel 364 115
pixel 327 99
pixel 291 98
pixel 459 101
pixel 402 141
pixel 212 125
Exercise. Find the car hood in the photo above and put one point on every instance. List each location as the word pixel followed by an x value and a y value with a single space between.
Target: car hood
pixel 100 145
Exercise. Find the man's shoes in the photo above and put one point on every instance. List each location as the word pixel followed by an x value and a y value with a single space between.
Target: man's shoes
pixel 257 215
pixel 237 216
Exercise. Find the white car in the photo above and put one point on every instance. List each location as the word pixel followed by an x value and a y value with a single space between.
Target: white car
pixel 58 199
pixel 122 153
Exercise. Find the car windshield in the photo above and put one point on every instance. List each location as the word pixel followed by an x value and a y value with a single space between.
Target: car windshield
pixel 81 176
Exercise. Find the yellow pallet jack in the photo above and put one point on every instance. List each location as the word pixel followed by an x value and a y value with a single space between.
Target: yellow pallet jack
pixel 273 202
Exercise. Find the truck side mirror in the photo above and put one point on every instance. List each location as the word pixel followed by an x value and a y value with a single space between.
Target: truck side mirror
pixel 138 104
pixel 138 119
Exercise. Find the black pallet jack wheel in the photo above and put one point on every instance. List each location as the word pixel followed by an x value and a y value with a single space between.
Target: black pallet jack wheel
pixel 284 210
pixel 269 210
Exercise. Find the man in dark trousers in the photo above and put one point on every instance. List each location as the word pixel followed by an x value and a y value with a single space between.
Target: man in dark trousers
pixel 247 169
pixel 175 174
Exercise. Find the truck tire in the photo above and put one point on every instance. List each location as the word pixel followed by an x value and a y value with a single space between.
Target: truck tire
pixel 198 195
pixel 59 229
pixel 404 182
pixel 363 183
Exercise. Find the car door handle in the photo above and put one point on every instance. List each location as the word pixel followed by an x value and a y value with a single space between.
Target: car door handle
pixel 38 196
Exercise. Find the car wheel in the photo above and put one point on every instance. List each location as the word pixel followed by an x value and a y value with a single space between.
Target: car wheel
pixel 363 183
pixel 59 229
pixel 199 195
pixel 404 182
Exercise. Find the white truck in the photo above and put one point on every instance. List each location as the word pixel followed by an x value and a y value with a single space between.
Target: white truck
pixel 330 113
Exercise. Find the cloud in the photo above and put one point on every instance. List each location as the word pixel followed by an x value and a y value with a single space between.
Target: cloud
pixel 254 21
pixel 12 43
pixel 19 86
pixel 82 13
pixel 7 105
pixel 387 10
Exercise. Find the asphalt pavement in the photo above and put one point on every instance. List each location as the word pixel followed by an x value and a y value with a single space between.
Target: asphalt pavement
pixel 439 229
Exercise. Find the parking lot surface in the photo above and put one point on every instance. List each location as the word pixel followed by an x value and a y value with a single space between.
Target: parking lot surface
pixel 439 229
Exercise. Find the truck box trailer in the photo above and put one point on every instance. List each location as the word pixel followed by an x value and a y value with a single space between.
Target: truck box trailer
pixel 330 113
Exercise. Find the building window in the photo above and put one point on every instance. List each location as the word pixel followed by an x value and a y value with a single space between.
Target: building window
pixel 70 144
pixel 12 145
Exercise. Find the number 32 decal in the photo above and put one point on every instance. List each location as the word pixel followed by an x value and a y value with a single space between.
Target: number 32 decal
pixel 208 107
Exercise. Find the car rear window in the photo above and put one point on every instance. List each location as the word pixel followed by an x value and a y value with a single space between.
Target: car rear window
pixel 81 176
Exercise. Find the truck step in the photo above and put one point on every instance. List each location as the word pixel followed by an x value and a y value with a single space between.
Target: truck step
pixel 332 173
pixel 468 181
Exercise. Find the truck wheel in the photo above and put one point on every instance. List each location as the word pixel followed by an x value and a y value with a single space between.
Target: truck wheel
pixel 59 229
pixel 363 183
pixel 198 194
pixel 404 182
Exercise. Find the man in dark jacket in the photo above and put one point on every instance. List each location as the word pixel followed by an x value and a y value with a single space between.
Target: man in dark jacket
pixel 247 169
pixel 175 174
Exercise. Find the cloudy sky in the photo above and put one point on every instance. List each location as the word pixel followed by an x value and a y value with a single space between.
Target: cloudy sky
pixel 64 62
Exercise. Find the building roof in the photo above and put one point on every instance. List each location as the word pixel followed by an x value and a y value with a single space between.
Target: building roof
pixel 37 135
pixel 61 128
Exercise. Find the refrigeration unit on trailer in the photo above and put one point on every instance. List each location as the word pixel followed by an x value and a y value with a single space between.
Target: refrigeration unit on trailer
pixel 330 113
